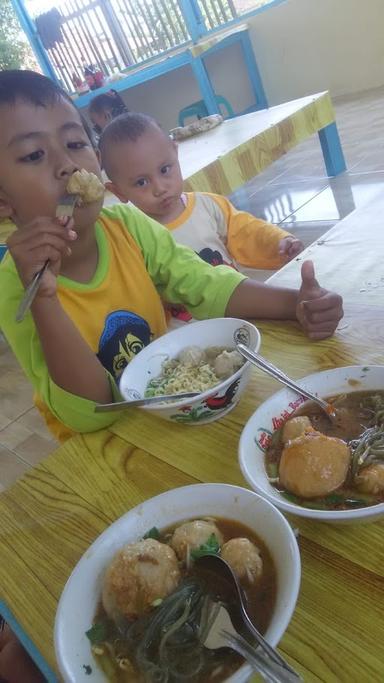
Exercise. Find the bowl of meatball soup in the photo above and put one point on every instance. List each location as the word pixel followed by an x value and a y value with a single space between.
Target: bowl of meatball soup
pixel 296 457
pixel 200 358
pixel 137 582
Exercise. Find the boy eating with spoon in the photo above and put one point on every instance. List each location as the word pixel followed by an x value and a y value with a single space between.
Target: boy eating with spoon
pixel 99 301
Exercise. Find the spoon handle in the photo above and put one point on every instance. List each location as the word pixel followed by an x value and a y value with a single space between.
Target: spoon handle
pixel 270 670
pixel 272 370
pixel 152 400
pixel 268 649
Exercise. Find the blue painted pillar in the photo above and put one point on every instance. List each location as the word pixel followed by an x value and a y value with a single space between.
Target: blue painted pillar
pixel 29 29
pixel 253 71
pixel 332 150
pixel 205 85
pixel 193 19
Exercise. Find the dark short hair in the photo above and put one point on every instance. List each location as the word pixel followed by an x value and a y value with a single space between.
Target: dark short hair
pixel 30 87
pixel 126 127
pixel 36 89
pixel 110 101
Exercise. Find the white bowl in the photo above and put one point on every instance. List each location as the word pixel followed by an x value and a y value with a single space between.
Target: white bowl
pixel 200 409
pixel 271 415
pixel 82 592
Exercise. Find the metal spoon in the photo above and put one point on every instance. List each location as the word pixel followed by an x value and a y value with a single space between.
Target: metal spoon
pixel 209 568
pixel 272 370
pixel 221 633
pixel 152 400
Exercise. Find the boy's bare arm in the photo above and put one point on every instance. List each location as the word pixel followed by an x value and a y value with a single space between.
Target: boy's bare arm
pixel 71 363
pixel 317 310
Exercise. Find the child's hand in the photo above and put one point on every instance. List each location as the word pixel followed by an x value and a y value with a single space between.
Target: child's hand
pixel 318 311
pixel 32 245
pixel 289 247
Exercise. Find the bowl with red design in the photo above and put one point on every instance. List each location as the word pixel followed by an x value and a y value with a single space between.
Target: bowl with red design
pixel 330 470
pixel 198 357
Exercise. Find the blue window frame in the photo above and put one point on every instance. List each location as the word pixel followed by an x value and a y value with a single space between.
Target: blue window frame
pixel 116 35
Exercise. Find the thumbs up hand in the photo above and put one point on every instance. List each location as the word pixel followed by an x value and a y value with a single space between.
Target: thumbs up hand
pixel 318 311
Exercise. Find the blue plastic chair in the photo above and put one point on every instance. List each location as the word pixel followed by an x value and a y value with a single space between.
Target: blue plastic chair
pixel 3 249
pixel 199 110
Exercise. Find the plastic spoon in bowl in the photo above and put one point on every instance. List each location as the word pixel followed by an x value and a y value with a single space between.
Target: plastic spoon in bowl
pixel 272 370
pixel 152 400
pixel 218 577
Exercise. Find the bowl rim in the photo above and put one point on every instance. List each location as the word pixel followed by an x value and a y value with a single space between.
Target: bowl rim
pixel 280 502
pixel 244 671
pixel 208 392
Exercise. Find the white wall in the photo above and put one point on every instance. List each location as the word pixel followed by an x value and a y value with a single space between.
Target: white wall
pixel 301 46
pixel 305 46
pixel 165 96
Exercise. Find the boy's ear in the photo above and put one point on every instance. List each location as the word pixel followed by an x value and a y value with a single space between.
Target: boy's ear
pixel 116 191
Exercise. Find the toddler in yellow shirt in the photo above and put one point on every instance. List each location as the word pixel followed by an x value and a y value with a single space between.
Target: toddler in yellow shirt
pixel 141 161
pixel 142 164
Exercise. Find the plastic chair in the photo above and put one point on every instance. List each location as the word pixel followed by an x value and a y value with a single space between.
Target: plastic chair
pixel 3 249
pixel 199 110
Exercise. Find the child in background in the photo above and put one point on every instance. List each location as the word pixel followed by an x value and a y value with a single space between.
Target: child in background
pixel 142 163
pixel 99 302
pixel 104 108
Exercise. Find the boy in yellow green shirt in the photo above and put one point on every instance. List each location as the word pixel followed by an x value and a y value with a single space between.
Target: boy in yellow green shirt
pixel 100 301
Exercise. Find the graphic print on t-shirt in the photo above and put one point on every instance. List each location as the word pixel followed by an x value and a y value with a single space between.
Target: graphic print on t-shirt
pixel 124 335
pixel 213 257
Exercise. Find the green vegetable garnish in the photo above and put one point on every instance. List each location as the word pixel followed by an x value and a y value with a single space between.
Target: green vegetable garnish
pixel 211 547
pixel 98 633
pixel 87 669
pixel 152 533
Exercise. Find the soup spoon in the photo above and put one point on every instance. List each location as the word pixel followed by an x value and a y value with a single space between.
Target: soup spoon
pixel 219 577
pixel 151 400
pixel 272 370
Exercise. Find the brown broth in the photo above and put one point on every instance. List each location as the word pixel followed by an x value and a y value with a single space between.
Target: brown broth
pixel 354 415
pixel 260 599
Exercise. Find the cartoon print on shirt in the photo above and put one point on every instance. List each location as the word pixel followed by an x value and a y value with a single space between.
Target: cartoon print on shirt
pixel 213 257
pixel 125 334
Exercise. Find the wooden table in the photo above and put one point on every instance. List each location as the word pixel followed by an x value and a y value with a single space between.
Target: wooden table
pixel 52 514
pixel 226 157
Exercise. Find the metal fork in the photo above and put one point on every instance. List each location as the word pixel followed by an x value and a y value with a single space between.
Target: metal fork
pixel 221 633
pixel 64 209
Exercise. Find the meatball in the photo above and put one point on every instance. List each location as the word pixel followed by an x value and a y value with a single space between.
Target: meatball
pixel 139 574
pixel 87 185
pixel 371 479
pixel 314 465
pixel 191 535
pixel 295 427
pixel 227 363
pixel 244 558
pixel 192 355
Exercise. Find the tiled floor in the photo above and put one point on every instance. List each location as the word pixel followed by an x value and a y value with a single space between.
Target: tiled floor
pixel 294 192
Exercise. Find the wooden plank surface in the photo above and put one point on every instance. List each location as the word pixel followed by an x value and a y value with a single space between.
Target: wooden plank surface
pixel 51 515
pixel 226 157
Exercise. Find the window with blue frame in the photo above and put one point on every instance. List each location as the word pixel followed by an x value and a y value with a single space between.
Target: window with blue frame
pixel 111 36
